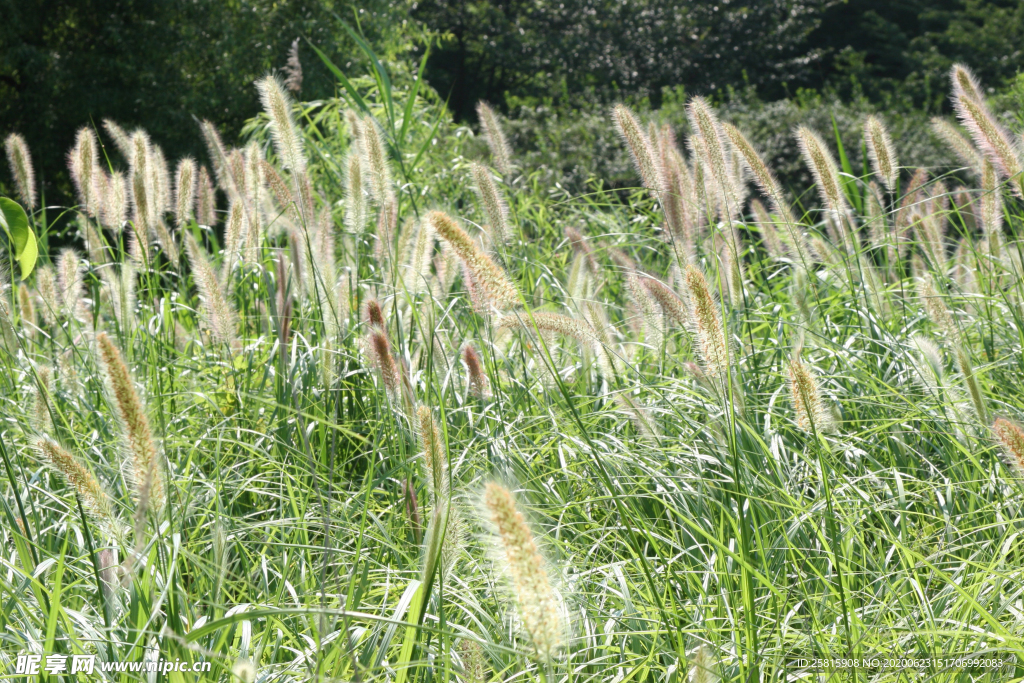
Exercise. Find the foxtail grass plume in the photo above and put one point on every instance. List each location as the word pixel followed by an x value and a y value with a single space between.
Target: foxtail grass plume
pixel 420 259
pixel 222 168
pixel 1011 438
pixel 763 176
pixel 493 204
pixel 374 314
pixel 146 474
pixel 501 153
pixel 678 202
pixel 540 607
pixel 705 667
pixel 293 69
pixel 713 145
pixel 379 351
pixel 20 161
pixel 937 311
pixel 990 137
pixel 70 285
pixel 206 199
pixel 115 202
pixel 671 305
pixel 287 141
pixel 475 370
pixel 27 309
pixel 88 489
pixel 707 325
pixel 551 323
pixel 639 415
pixel 991 210
pixel 473 665
pixel 377 164
pixel 960 145
pixel 82 163
pixel 653 324
pixel 930 237
pixel 435 455
pixel 219 314
pixel 823 167
pixel 185 192
pixel 640 148
pixel 119 284
pixel 42 400
pixel 121 138
pixel 965 83
pixel 355 200
pixel 158 184
pixel 811 413
pixel 881 152
pixel 46 285
pixel 486 273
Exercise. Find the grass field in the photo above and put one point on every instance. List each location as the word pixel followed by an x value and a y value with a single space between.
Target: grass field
pixel 397 412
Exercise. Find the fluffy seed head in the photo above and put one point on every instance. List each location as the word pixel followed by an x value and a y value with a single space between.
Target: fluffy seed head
pixel 121 139
pixel 376 162
pixel 355 200
pixel 115 202
pixel 937 310
pixel 146 478
pixel 823 167
pixel 374 314
pixel 1011 438
pixel 640 148
pixel 46 285
pixel 991 209
pixel 810 411
pixel 94 499
pixel 991 138
pixel 671 305
pixel 380 355
pixel 84 169
pixel 206 199
pixel 551 323
pixel 493 204
pixel 965 83
pixel 763 176
pixel 293 69
pixel 20 161
pixel 435 457
pixel 501 153
pixel 486 273
pixel 540 607
pixel 475 369
pixel 881 152
pixel 955 140
pixel 706 323
pixel 287 141
pixel 120 288
pixel 218 312
pixel 185 191
pixel 70 285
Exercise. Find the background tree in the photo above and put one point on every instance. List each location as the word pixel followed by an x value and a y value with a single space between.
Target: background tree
pixel 161 64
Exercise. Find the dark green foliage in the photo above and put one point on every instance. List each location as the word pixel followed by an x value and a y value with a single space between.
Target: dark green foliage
pixel 157 63
pixel 601 50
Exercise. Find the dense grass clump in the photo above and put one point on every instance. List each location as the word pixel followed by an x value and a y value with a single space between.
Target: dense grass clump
pixel 395 414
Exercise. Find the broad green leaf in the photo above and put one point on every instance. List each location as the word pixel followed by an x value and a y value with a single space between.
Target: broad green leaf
pixel 22 240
